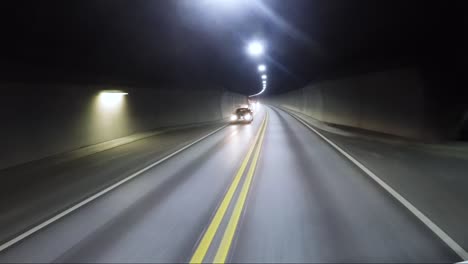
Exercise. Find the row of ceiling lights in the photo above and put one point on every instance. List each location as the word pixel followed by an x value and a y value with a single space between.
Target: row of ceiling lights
pixel 256 49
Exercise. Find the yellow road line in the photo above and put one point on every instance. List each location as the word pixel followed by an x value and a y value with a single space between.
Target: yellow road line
pixel 228 236
pixel 205 242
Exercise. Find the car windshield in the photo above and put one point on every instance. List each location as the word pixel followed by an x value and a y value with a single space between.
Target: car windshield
pixel 243 111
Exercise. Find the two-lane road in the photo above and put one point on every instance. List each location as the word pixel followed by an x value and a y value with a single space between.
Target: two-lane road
pixel 272 191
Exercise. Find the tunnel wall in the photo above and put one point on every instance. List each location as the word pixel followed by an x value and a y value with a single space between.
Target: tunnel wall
pixel 390 102
pixel 48 120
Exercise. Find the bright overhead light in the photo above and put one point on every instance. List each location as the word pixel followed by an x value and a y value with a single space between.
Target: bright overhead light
pixel 259 93
pixel 264 76
pixel 255 48
pixel 261 67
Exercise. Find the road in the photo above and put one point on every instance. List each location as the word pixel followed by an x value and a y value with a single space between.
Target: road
pixel 271 191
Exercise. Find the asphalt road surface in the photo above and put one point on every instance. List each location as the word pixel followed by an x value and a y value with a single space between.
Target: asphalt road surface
pixel 270 191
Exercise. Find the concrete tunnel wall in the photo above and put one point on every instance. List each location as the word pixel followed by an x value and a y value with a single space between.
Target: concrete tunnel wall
pixel 391 102
pixel 50 120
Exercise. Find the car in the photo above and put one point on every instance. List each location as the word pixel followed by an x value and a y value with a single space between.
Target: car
pixel 243 114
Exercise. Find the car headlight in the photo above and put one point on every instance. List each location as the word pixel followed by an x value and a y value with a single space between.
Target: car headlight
pixel 233 117
pixel 248 117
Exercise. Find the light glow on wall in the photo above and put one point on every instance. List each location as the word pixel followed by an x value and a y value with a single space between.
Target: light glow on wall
pixel 109 117
pixel 111 99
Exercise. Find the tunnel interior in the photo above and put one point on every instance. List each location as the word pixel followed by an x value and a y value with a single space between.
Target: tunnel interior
pixel 154 44
pixel 122 138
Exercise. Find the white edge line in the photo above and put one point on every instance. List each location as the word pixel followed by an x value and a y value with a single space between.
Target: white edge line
pixel 99 194
pixel 423 218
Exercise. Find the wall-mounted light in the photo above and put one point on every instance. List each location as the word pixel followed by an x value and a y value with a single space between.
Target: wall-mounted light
pixel 110 99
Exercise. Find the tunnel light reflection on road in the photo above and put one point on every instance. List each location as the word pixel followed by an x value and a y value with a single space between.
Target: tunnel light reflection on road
pixel 111 99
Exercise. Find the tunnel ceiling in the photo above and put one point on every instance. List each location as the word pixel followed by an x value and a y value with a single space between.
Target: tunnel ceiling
pixel 203 41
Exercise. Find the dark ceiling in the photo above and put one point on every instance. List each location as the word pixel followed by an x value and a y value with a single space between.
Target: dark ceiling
pixel 153 42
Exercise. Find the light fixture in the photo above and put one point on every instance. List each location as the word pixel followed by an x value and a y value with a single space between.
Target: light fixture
pixel 261 67
pixel 264 76
pixel 111 98
pixel 259 93
pixel 255 48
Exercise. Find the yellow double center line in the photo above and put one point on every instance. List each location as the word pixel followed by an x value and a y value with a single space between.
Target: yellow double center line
pixel 223 249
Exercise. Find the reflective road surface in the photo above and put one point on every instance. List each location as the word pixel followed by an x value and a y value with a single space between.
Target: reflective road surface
pixel 271 191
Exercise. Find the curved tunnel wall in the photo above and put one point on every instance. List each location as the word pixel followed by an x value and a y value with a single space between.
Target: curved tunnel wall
pixel 50 120
pixel 390 102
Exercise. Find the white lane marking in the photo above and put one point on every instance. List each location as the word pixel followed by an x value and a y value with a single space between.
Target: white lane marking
pixel 99 194
pixel 423 218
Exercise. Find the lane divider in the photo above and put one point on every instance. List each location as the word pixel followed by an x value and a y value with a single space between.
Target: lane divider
pixel 53 219
pixel 230 231
pixel 207 239
pixel 460 251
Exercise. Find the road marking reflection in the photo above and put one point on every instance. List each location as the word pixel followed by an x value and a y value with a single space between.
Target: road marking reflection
pixel 230 231
pixel 205 243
